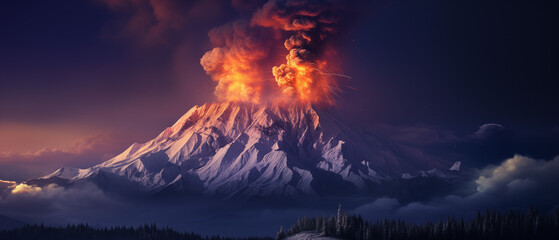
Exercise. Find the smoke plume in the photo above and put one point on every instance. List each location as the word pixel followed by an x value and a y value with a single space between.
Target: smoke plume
pixel 233 62
pixel 240 60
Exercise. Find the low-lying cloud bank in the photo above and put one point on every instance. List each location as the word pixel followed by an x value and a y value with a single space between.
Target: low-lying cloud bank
pixel 520 175
pixel 516 183
pixel 58 206
pixel 52 203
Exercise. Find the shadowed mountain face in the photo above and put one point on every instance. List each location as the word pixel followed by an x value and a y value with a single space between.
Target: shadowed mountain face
pixel 233 150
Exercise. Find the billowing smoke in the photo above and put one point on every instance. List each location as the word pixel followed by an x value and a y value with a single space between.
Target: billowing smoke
pixel 242 50
pixel 233 62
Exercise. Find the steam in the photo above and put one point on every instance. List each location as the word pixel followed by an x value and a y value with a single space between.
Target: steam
pixel 238 62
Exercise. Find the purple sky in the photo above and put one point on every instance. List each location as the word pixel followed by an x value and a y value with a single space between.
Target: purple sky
pixel 82 80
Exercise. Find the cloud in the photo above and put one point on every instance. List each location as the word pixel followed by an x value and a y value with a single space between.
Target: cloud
pixel 242 59
pixel 149 22
pixel 23 188
pixel 86 203
pixel 6 188
pixel 233 62
pixel 54 202
pixel 519 174
pixel 84 152
pixel 489 130
pixel 247 5
pixel 516 183
pixel 242 51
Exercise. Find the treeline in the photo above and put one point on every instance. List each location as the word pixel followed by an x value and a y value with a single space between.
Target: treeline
pixel 84 232
pixel 490 225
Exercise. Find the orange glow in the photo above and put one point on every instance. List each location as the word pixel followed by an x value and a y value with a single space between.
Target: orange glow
pixel 238 83
pixel 306 81
pixel 239 61
pixel 23 188
pixel 234 63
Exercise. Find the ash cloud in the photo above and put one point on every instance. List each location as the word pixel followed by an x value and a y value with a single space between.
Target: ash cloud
pixel 275 49
pixel 242 64
pixel 303 75
pixel 234 62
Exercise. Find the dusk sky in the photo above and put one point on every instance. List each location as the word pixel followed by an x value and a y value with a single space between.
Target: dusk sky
pixel 414 110
pixel 82 80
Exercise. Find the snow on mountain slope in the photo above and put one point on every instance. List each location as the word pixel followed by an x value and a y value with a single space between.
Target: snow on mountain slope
pixel 248 150
pixel 309 236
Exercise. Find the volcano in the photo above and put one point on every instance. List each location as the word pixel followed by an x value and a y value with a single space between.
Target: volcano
pixel 250 150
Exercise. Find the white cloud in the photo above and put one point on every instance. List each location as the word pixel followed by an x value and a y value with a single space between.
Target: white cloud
pixel 23 188
pixel 518 182
pixel 488 130
pixel 518 173
pixel 52 201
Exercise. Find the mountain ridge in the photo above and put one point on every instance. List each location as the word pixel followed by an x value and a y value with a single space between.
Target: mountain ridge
pixel 251 150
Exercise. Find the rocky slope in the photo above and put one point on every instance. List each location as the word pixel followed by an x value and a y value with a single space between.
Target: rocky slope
pixel 247 150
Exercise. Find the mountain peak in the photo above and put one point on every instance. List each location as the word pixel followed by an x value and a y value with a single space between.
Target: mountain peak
pixel 248 150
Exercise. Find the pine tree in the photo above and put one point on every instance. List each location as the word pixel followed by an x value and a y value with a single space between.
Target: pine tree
pixel 280 234
pixel 324 230
pixel 339 221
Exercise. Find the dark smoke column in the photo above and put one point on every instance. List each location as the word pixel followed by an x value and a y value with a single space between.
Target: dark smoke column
pixel 304 76
pixel 242 49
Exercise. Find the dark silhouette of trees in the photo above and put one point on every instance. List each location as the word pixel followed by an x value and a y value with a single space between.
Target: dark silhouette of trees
pixel 490 225
pixel 84 232
pixel 280 234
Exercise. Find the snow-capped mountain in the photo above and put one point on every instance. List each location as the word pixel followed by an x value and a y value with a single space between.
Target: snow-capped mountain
pixel 250 150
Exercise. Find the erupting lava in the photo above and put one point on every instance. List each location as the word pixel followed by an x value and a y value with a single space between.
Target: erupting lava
pixel 243 49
